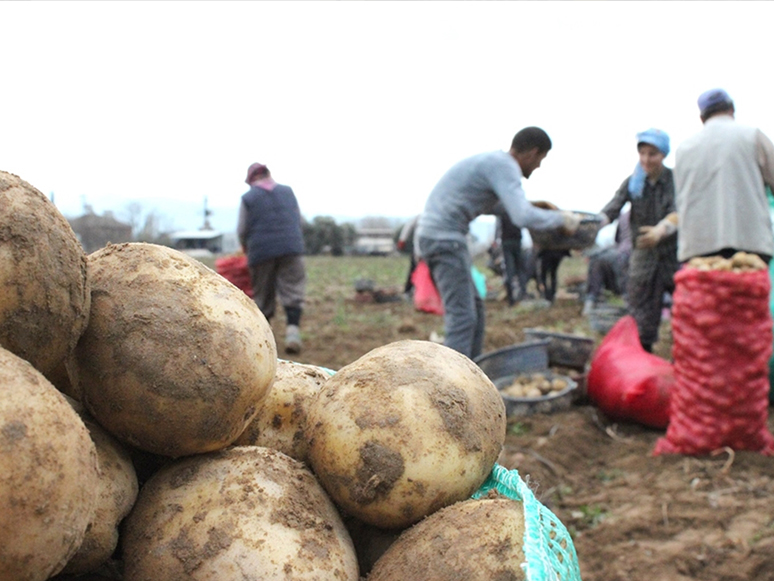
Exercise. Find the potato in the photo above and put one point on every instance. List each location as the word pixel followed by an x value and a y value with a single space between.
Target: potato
pixel 405 430
pixel 48 474
pixel 245 513
pixel 175 359
pixel 116 494
pixel 534 385
pixel 44 296
pixel 739 262
pixel 475 540
pixel 281 418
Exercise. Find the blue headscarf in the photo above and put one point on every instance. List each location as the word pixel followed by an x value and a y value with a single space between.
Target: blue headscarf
pixel 660 141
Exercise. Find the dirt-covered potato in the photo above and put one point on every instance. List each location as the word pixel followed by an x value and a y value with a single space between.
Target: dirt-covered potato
pixel 116 494
pixel 739 262
pixel 475 540
pixel 175 359
pixel 403 431
pixel 44 290
pixel 245 513
pixel 531 385
pixel 281 418
pixel 48 474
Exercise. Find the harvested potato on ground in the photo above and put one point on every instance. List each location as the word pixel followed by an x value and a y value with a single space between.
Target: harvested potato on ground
pixel 281 418
pixel 408 428
pixel 175 359
pixel 44 290
pixel 246 513
pixel 116 494
pixel 48 474
pixel 532 385
pixel 475 540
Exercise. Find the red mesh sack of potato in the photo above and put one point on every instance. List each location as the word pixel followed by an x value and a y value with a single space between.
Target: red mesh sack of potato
pixel 628 383
pixel 234 269
pixel 721 325
pixel 426 296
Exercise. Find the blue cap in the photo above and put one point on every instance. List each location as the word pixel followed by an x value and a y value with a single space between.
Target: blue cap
pixel 656 138
pixel 713 97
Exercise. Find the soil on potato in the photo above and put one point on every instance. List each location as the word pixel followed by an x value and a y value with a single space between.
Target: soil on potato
pixel 632 516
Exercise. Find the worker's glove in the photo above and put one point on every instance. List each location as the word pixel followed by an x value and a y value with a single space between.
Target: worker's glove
pixel 571 223
pixel 650 236
pixel 603 219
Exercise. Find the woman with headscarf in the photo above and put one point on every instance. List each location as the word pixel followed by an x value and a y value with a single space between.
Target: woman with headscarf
pixel 651 192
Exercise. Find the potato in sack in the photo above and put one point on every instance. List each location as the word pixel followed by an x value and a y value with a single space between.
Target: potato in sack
pixel 475 540
pixel 175 359
pixel 48 474
pixel 245 513
pixel 44 303
pixel 281 417
pixel 405 430
pixel 116 494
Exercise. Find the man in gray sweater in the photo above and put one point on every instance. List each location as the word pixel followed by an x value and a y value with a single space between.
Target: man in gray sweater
pixel 483 184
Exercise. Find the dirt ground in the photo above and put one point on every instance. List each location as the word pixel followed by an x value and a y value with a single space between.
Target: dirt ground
pixel 632 516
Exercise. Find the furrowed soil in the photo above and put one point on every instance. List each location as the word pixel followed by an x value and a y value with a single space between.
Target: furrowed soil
pixel 632 516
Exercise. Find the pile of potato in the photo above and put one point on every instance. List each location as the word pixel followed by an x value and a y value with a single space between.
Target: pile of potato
pixel 530 385
pixel 739 262
pixel 149 432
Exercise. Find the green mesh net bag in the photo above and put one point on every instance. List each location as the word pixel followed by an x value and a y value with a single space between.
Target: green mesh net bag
pixel 547 547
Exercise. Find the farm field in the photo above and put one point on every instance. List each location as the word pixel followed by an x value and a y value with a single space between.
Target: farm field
pixel 633 517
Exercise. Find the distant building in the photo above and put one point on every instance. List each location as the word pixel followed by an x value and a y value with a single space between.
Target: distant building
pixel 198 243
pixel 375 241
pixel 206 242
pixel 94 232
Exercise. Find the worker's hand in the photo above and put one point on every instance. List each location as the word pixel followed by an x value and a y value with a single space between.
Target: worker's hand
pixel 571 223
pixel 545 205
pixel 401 244
pixel 603 219
pixel 650 236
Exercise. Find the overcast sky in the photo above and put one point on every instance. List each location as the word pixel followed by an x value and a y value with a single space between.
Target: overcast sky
pixel 359 106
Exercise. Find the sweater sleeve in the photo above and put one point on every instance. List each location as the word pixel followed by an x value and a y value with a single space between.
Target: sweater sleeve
pixel 506 183
pixel 613 208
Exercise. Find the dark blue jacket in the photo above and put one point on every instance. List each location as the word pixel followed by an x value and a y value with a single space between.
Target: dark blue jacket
pixel 273 223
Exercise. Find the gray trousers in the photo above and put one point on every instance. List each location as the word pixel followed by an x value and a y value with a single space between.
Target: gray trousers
pixel 514 267
pixel 648 281
pixel 464 322
pixel 284 276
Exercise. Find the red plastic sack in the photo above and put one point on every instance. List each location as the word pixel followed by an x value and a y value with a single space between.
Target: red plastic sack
pixel 721 324
pixel 234 269
pixel 628 383
pixel 426 297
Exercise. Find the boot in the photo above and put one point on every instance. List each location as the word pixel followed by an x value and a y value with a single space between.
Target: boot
pixel 293 340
